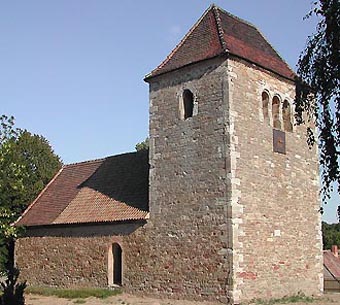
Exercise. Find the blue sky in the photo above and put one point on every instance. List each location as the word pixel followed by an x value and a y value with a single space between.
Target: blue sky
pixel 72 70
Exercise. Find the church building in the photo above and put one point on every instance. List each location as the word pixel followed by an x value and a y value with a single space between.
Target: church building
pixel 224 206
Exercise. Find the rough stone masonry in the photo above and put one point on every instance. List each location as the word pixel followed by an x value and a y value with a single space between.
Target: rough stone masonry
pixel 233 188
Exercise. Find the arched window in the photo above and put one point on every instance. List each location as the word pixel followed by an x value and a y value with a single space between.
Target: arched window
pixel 287 124
pixel 188 103
pixel 265 104
pixel 276 112
pixel 115 265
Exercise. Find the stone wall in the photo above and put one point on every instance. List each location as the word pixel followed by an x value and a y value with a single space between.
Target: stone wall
pixel 77 256
pixel 188 185
pixel 276 222
pixel 183 251
pixel 230 219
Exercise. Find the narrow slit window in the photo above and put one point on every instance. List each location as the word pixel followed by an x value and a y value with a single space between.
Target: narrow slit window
pixel 117 264
pixel 265 103
pixel 188 103
pixel 276 112
pixel 286 116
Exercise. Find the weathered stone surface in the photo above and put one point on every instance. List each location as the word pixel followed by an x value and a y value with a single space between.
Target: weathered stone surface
pixel 269 237
pixel 188 188
pixel 77 256
pixel 230 219
pixel 277 240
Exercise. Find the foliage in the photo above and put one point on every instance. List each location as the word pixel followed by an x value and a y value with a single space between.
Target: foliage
pixel 330 235
pixel 12 292
pixel 144 145
pixel 74 293
pixel 27 163
pixel 7 234
pixel 318 90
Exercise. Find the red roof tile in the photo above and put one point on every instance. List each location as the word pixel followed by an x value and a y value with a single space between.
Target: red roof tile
pixel 332 263
pixel 92 206
pixel 218 32
pixel 110 189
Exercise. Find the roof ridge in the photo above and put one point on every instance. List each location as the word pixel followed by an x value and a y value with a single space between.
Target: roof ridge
pixel 38 197
pixel 257 29
pixel 220 31
pixel 166 60
pixel 274 49
pixel 98 159
pixel 235 17
pixel 86 161
pixel 216 36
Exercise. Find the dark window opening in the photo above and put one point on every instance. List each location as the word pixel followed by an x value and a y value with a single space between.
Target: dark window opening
pixel 276 112
pixel 287 124
pixel 117 264
pixel 265 103
pixel 188 103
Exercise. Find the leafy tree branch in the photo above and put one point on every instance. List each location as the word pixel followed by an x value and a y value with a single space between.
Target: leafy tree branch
pixel 318 91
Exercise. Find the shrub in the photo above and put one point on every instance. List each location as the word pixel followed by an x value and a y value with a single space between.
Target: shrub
pixel 12 292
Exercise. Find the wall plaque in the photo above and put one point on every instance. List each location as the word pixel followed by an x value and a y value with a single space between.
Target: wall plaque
pixel 279 141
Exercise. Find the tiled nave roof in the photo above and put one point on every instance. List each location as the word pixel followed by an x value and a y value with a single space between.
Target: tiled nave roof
pixel 106 190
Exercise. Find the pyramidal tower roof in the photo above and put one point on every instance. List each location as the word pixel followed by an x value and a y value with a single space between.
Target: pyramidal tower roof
pixel 218 32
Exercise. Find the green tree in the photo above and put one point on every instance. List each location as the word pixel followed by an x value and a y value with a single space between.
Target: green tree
pixel 27 163
pixel 318 91
pixel 330 235
pixel 142 145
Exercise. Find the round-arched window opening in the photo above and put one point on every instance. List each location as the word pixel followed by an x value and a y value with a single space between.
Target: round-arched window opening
pixel 276 112
pixel 265 103
pixel 188 103
pixel 286 116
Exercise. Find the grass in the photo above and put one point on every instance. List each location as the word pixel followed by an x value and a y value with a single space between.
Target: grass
pixel 81 293
pixel 300 297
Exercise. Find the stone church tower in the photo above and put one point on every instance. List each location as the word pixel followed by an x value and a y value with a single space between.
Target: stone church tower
pixel 233 187
pixel 229 210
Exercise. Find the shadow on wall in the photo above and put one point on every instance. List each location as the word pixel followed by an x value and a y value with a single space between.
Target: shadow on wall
pixel 85 230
